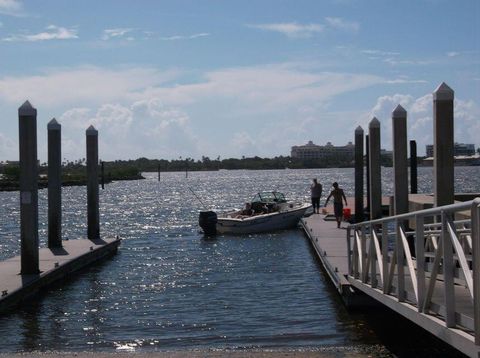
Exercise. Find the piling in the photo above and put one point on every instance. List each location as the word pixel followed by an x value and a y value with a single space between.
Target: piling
pixel 413 168
pixel 443 145
pixel 93 215
pixel 103 174
pixel 367 168
pixel 158 172
pixel 359 215
pixel 400 160
pixel 54 184
pixel 27 119
pixel 375 170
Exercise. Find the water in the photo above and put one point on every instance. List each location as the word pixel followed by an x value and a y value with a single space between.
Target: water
pixel 170 289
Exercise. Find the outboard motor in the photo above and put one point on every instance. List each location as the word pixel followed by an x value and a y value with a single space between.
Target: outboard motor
pixel 208 222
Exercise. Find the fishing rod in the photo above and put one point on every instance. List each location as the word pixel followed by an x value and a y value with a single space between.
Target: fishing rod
pixel 196 197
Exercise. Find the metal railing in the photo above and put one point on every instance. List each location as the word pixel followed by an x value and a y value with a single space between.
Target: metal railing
pixel 435 266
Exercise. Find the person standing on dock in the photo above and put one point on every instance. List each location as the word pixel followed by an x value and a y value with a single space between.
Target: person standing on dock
pixel 316 190
pixel 338 195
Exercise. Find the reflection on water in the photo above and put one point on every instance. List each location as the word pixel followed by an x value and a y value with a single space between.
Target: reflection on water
pixel 170 289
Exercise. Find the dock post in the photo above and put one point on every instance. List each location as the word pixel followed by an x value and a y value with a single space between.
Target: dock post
pixel 27 120
pixel 443 145
pixel 413 168
pixel 54 184
pixel 359 215
pixel 375 170
pixel 400 160
pixel 103 174
pixel 158 172
pixel 367 168
pixel 93 214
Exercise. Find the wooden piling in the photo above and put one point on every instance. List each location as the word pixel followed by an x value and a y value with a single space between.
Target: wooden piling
pixel 93 215
pixel 375 170
pixel 413 168
pixel 443 145
pixel 400 160
pixel 359 215
pixel 27 118
pixel 54 184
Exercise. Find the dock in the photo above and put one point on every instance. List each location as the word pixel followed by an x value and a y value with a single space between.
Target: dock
pixel 435 287
pixel 55 264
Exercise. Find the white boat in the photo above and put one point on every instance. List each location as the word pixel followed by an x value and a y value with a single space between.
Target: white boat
pixel 268 211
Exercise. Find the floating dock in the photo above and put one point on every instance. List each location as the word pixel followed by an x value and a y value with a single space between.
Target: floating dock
pixel 55 264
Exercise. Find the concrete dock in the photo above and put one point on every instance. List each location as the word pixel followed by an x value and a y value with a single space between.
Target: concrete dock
pixel 55 264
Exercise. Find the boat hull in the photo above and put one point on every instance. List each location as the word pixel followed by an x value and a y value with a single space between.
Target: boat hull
pixel 261 223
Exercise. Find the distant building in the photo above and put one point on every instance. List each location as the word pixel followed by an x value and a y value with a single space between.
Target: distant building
pixel 460 149
pixel 328 151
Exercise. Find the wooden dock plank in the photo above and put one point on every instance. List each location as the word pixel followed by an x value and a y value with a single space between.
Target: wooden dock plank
pixel 54 264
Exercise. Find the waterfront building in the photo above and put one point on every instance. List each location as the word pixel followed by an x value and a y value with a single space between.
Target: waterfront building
pixel 460 149
pixel 328 151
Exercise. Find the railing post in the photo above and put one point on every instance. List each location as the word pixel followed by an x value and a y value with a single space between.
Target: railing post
pixel 363 243
pixel 349 252
pixel 400 261
pixel 420 249
pixel 448 274
pixel 475 212
pixel 373 258
pixel 385 263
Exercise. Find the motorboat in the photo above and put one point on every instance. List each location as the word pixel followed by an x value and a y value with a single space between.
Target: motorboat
pixel 267 211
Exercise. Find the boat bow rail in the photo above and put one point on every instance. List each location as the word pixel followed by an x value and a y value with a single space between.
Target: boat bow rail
pixel 430 274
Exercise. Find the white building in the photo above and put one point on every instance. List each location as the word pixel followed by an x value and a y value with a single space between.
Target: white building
pixel 314 151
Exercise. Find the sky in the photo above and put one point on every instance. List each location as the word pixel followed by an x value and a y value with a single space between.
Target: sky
pixel 192 78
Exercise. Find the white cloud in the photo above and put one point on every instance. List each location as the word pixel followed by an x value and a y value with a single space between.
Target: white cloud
pixel 11 7
pixel 453 54
pixel 81 85
pixel 53 33
pixel 420 119
pixel 341 24
pixel 185 37
pixel 292 29
pixel 116 33
pixel 142 128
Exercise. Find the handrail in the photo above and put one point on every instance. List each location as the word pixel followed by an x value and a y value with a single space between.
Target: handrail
pixel 445 257
pixel 425 212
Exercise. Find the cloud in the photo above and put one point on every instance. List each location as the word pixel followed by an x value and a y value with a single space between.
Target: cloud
pixel 53 33
pixel 420 119
pixel 11 7
pixel 292 29
pixel 144 128
pixel 341 24
pixel 117 33
pixel 8 148
pixel 453 54
pixel 185 37
pixel 63 87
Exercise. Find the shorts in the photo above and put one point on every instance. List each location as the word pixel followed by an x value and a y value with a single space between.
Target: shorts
pixel 338 209
pixel 316 203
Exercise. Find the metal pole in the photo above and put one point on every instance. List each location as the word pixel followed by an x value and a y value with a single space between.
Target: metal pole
pixel 93 214
pixel 54 184
pixel 27 119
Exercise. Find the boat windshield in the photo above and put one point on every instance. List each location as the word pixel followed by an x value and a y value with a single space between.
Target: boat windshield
pixel 269 197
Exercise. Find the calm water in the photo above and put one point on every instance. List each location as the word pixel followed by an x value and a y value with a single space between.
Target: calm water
pixel 169 289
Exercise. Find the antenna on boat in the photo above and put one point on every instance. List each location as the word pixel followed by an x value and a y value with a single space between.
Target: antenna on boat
pixel 196 197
